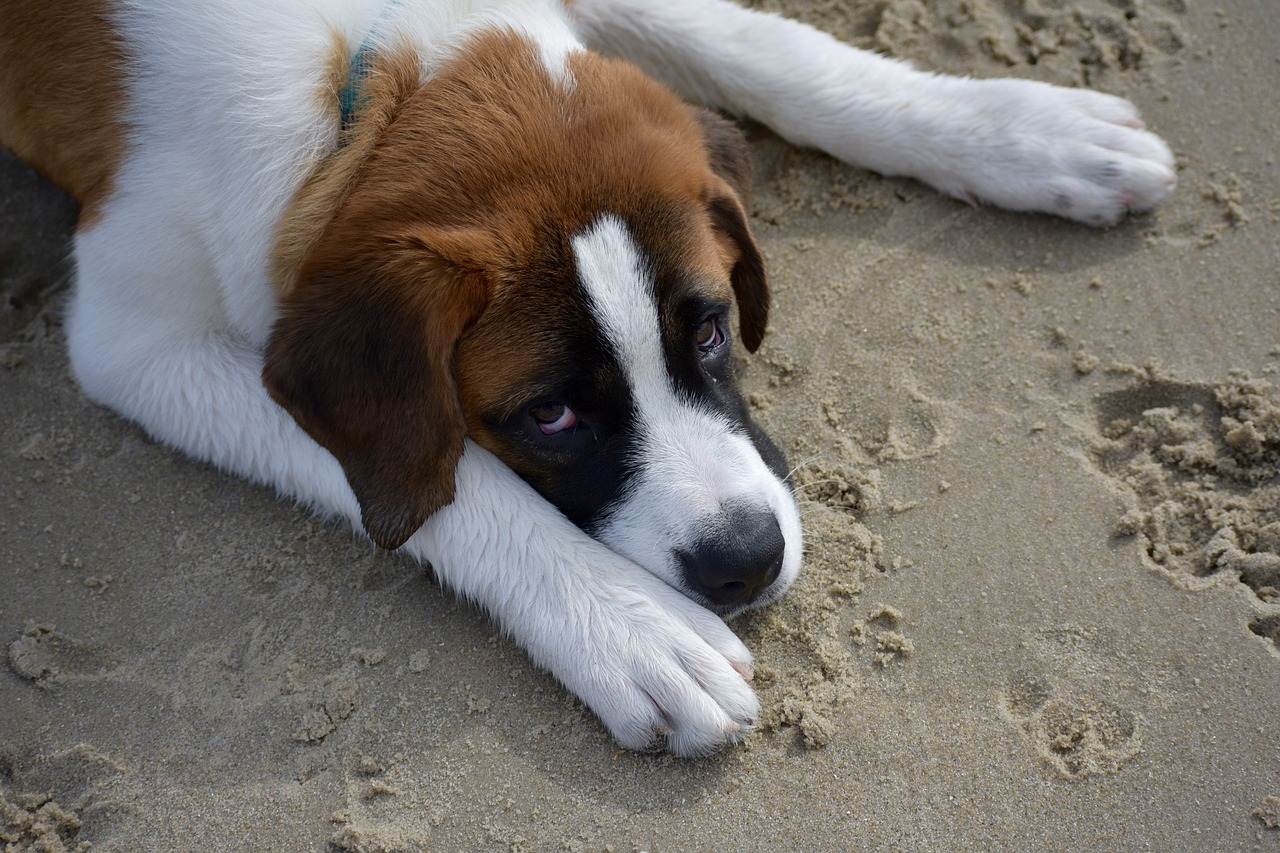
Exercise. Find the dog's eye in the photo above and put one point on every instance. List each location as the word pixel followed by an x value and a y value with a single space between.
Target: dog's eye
pixel 554 418
pixel 709 335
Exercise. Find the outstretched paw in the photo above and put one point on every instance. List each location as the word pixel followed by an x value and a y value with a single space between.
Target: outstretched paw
pixel 660 671
pixel 1071 152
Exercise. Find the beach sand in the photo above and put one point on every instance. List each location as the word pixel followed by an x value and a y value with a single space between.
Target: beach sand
pixel 1040 475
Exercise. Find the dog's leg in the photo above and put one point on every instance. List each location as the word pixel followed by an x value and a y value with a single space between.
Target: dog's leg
pixel 147 341
pixel 148 338
pixel 648 660
pixel 1019 144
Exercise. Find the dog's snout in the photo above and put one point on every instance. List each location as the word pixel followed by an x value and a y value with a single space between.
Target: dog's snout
pixel 739 560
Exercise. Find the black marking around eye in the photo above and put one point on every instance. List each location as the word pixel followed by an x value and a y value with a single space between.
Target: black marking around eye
pixel 589 471
pixel 585 471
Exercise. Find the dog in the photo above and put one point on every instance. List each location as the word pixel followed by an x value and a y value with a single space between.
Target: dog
pixel 462 272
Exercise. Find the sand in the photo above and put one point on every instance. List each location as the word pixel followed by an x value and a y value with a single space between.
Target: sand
pixel 1040 473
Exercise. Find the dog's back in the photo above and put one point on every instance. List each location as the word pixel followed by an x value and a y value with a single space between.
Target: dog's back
pixel 61 92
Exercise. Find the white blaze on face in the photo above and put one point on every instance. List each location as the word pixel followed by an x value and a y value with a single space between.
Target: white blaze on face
pixel 689 461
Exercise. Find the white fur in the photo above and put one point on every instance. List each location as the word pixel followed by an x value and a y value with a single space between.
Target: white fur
pixel 172 305
pixel 1019 144
pixel 692 462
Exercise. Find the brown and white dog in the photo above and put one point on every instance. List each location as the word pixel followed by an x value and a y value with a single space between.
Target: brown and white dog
pixel 437 267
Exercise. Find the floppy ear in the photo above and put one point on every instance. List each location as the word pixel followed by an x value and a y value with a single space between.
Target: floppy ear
pixel 728 151
pixel 750 284
pixel 362 358
pixel 730 159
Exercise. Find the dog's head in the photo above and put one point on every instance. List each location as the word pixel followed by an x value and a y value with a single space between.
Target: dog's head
pixel 547 263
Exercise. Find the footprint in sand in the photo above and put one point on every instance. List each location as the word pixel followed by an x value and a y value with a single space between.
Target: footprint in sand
pixel 1069 702
pixel 1202 464
pixel 1076 738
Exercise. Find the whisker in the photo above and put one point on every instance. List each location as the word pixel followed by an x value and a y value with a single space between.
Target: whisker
pixel 814 458
pixel 800 487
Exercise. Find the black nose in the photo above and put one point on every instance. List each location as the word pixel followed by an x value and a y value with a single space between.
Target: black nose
pixel 738 561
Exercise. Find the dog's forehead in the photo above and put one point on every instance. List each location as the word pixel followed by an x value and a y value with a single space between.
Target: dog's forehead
pixel 640 284
pixel 558 319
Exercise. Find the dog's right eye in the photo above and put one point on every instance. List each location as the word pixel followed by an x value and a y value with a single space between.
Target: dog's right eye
pixel 553 418
pixel 709 336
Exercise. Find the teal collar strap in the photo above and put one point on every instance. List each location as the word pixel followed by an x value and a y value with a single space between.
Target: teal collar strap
pixel 352 96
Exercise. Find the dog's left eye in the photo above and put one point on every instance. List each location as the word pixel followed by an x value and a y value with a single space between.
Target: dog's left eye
pixel 709 335
pixel 554 418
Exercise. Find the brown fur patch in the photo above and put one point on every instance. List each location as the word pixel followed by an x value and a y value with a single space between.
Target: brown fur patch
pixel 392 79
pixel 62 93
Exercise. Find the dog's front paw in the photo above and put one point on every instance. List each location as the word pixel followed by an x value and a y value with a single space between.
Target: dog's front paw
pixel 659 670
pixel 1071 152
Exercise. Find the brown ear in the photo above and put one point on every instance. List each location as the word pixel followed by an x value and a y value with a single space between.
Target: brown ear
pixel 728 151
pixel 750 283
pixel 730 159
pixel 362 358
